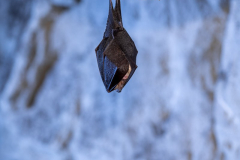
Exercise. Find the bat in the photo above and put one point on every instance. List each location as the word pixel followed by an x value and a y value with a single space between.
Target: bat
pixel 116 54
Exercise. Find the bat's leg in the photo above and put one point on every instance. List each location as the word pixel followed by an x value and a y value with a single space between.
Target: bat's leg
pixel 118 6
pixel 118 10
pixel 110 5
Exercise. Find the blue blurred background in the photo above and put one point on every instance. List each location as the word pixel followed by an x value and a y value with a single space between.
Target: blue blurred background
pixel 182 103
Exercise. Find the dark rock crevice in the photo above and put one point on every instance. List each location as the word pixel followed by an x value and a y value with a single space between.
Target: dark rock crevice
pixel 49 58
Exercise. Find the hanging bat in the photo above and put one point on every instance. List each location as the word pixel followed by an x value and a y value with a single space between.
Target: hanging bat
pixel 116 54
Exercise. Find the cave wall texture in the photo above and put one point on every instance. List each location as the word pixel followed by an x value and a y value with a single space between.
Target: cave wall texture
pixel 182 103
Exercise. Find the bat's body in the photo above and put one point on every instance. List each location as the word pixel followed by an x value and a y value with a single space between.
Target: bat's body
pixel 116 54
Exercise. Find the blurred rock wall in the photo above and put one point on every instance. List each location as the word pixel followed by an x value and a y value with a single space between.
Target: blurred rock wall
pixel 183 102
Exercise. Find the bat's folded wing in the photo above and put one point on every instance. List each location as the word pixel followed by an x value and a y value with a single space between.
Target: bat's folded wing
pixel 116 65
pixel 100 58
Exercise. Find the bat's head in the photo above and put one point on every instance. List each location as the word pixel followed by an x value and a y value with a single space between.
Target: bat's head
pixel 117 73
